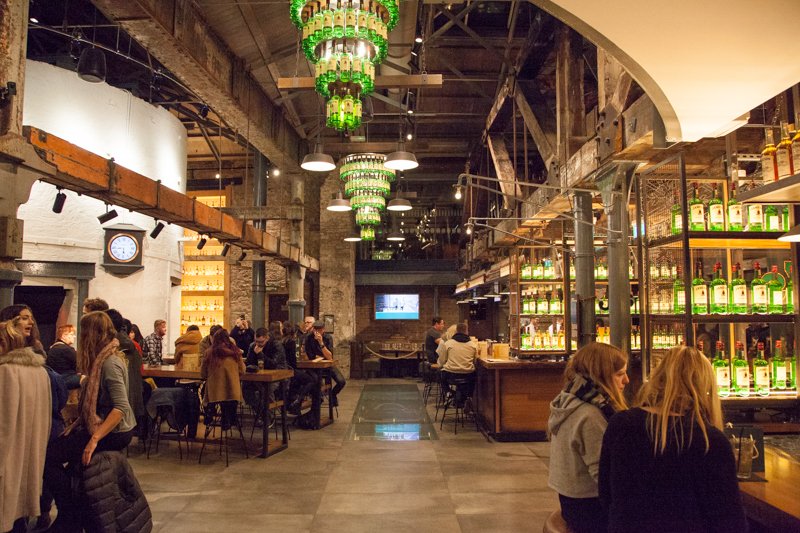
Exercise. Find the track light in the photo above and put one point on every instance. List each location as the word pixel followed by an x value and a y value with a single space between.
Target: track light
pixel 108 215
pixel 157 230
pixel 92 65
pixel 458 192
pixel 242 257
pixel 201 242
pixel 204 111
pixel 418 40
pixel 58 203
pixel 225 249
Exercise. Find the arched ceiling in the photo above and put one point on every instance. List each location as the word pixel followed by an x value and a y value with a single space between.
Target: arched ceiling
pixel 704 64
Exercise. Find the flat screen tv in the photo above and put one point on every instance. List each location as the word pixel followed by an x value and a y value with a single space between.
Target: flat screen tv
pixel 397 307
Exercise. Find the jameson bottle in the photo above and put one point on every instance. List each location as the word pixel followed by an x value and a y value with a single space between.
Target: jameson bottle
pixel 719 291
pixel 789 289
pixel 774 293
pixel 541 304
pixel 783 153
pixel 769 163
pixel 678 294
pixel 738 292
pixel 796 145
pixel 791 371
pixel 741 372
pixel 677 216
pixel 538 270
pixel 697 212
pixel 778 367
pixel 716 212
pixel 785 218
pixel 526 272
pixel 699 291
pixel 760 372
pixel 758 291
pixel 555 303
pixel 735 221
pixel 755 218
pixel 722 370
pixel 772 219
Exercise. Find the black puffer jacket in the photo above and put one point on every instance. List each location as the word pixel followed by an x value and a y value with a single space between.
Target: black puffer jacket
pixel 114 502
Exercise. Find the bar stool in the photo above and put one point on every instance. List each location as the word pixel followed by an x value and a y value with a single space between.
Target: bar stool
pixel 452 385
pixel 216 415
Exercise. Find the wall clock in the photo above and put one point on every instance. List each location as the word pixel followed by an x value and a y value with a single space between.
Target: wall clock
pixel 122 255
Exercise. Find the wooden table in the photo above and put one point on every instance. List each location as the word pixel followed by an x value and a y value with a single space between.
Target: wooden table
pixel 262 378
pixel 323 370
pixel 776 503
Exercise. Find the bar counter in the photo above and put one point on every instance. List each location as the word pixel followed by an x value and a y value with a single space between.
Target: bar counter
pixel 512 397
pixel 774 505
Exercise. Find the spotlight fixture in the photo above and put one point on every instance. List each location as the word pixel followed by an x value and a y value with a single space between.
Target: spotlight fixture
pixel 157 230
pixel 338 204
pixel 58 203
pixel 204 111
pixel 468 228
pixel 108 215
pixel 92 65
pixel 410 111
pixel 201 242
pixel 418 39
pixel 225 249
pixel 354 235
pixel 458 192
pixel 242 257
pixel 34 20
pixel 400 159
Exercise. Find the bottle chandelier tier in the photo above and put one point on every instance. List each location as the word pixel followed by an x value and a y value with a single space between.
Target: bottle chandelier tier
pixel 368 183
pixel 345 40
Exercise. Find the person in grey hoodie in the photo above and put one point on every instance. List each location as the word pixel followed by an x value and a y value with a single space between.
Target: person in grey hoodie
pixel 593 383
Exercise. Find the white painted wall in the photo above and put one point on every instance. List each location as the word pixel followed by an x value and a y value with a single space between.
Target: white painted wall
pixel 149 140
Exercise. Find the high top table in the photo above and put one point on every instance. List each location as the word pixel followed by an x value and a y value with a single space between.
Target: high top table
pixel 262 378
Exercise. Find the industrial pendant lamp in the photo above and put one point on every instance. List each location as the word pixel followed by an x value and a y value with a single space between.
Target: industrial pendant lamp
pixel 793 235
pixel 339 204
pixel 398 203
pixel 401 159
pixel 395 235
pixel 92 65
pixel 354 235
pixel 317 161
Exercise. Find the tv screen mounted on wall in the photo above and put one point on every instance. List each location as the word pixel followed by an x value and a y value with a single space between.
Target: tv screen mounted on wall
pixel 397 307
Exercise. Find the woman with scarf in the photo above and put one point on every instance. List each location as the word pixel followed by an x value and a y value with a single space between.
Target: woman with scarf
pixel 593 383
pixel 106 420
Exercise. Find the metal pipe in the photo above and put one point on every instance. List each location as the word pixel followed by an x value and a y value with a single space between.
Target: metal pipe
pixel 259 294
pixel 296 274
pixel 619 308
pixel 584 268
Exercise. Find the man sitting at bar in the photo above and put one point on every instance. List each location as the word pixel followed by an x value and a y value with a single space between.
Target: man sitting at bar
pixel 433 338
pixel 457 360
pixel 318 344
pixel 154 343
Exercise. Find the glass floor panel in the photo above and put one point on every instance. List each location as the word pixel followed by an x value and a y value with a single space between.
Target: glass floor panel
pixel 391 412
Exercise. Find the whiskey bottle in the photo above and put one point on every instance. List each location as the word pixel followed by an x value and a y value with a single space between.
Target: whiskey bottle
pixel 716 212
pixel 738 292
pixel 741 372
pixel 778 367
pixel 719 291
pixel 791 371
pixel 774 293
pixel 538 270
pixel 699 292
pixel 769 162
pixel 541 304
pixel 796 144
pixel 676 225
pixel 697 212
pixel 526 272
pixel 760 372
pixel 548 271
pixel 755 218
pixel 783 153
pixel 789 298
pixel 678 294
pixel 758 291
pixel 734 211
pixel 555 303
pixel 772 220
pixel 785 219
pixel 722 371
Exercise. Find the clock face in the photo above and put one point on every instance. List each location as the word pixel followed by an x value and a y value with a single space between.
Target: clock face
pixel 123 248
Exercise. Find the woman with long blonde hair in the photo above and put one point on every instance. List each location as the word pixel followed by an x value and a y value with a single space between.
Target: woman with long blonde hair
pixel 106 420
pixel 665 464
pixel 594 381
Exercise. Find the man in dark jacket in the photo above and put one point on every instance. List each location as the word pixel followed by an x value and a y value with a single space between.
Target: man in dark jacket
pixel 126 346
pixel 61 356
pixel 243 334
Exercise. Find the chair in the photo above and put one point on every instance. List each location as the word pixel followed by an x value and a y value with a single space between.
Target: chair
pixel 224 416
pixel 170 405
pixel 430 376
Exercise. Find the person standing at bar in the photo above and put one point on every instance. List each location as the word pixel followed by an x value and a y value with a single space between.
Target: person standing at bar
pixel 153 346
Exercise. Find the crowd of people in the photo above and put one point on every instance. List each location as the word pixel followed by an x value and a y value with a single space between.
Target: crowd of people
pixel 102 373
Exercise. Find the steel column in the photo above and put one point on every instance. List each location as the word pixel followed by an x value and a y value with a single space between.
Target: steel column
pixel 296 274
pixel 584 267
pixel 619 308
pixel 258 296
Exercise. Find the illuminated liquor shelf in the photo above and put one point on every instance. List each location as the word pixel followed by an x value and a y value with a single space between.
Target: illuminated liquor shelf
pixel 764 240
pixel 783 191
pixel 727 319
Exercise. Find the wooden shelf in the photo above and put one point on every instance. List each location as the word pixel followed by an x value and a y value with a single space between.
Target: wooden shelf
pixel 783 191
pixel 725 239
pixel 776 401
pixel 204 258
pixel 541 281
pixel 559 316
pixel 727 319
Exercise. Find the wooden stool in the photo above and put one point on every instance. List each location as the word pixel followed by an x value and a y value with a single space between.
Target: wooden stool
pixel 555 523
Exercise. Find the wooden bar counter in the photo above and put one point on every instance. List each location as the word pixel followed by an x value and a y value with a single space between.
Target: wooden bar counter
pixel 512 397
pixel 774 505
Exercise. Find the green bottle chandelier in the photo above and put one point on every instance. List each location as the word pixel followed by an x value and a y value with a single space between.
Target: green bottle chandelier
pixel 345 40
pixel 368 183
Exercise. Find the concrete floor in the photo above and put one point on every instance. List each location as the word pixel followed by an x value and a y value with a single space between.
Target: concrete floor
pixel 324 482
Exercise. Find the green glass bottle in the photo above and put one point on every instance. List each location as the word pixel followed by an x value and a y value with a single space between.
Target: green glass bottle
pixel 771 218
pixel 785 219
pixel 775 293
pixel 758 291
pixel 735 221
pixel 697 212
pixel 789 298
pixel 541 304
pixel 678 294
pixel 338 22
pixel 716 212
pixel 755 218
pixel 555 303
pixel 547 269
pixel 722 370
pixel 719 291
pixel 699 291
pixel 526 271
pixel 538 270
pixel 791 371
pixel 778 367
pixel 760 372
pixel 677 216
pixel 738 292
pixel 741 372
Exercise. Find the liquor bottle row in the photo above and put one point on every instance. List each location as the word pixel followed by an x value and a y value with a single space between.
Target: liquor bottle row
pixel 541 269
pixel 549 338
pixel 782 160
pixel 204 270
pixel 342 19
pixel 202 320
pixel 212 284
pixel 714 215
pixel 604 335
pixel 542 303
pixel 739 377
pixel 763 296
pixel 201 304
pixel 601 304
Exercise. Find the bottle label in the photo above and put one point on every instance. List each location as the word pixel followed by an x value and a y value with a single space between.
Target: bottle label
pixel 777 297
pixel 700 295
pixel 715 214
pixel 664 271
pixel 344 62
pixel 759 295
pixel 720 294
pixel 697 215
pixel 678 222
pixel 338 18
pixel 350 18
pixel 780 372
pixel 723 377
pixel 327 19
pixel 754 214
pixel 742 377
pixel 783 157
pixel 555 307
pixel 768 168
pixel 796 154
pixel 773 222
pixel 762 376
pixel 735 214
pixel 740 295
pixel 681 298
